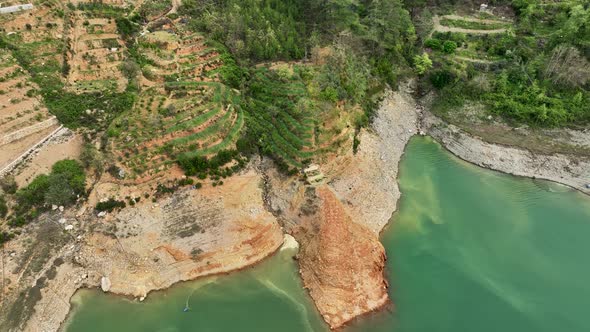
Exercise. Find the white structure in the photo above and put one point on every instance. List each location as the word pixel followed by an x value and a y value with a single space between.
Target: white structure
pixel 16 8
pixel 483 7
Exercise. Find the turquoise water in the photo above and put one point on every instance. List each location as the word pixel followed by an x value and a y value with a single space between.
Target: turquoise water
pixel 469 250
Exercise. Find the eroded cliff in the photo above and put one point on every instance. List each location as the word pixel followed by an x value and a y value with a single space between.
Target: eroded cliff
pixel 341 262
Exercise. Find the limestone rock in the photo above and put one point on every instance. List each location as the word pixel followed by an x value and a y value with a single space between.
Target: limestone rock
pixel 105 284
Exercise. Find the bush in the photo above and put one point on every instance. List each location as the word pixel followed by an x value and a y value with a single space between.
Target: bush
pixel 193 165
pixel 5 237
pixel 62 186
pixel 449 46
pixel 110 205
pixel 185 182
pixel 441 78
pixel 8 185
pixel 422 63
pixel 3 207
pixel 434 43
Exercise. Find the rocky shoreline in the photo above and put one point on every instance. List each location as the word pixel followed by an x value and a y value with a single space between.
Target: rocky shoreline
pixel 570 170
pixel 355 202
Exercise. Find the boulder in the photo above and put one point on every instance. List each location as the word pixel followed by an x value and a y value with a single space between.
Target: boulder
pixel 105 284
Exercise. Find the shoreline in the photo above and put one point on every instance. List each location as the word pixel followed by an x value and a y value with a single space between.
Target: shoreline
pixel 152 256
pixel 132 298
pixel 572 171
pixel 375 203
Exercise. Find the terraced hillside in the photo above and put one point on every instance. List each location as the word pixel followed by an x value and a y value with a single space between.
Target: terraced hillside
pixel 96 52
pixel 23 119
pixel 290 122
pixel 184 110
pixel 470 40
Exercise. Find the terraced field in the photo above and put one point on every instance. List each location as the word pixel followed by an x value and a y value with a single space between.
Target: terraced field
pixel 292 125
pixel 24 120
pixel 96 54
pixel 479 41
pixel 184 109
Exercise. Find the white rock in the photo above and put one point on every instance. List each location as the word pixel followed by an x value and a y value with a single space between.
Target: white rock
pixel 102 214
pixel 61 208
pixel 54 207
pixel 289 242
pixel 62 221
pixel 69 227
pixel 105 284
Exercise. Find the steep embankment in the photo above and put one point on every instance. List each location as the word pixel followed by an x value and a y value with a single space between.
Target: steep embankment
pixel 341 263
pixel 338 224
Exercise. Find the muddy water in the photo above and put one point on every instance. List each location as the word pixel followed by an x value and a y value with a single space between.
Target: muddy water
pixel 469 250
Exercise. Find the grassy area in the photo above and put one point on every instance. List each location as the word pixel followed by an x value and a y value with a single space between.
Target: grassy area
pixel 473 25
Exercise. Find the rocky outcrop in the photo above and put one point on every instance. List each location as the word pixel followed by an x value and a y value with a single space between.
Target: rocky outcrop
pixel 341 263
pixel 338 224
pixel 367 181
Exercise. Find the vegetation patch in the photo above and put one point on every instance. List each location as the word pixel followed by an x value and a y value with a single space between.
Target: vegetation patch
pixel 473 25
pixel 62 187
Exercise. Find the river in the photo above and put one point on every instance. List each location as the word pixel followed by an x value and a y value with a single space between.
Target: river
pixel 469 250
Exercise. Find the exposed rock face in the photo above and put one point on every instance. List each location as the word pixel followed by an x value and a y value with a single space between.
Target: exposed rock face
pixel 367 181
pixel 341 263
pixel 341 259
pixel 152 246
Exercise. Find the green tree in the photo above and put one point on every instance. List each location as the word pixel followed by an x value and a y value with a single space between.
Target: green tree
pixel 422 63
pixel 449 46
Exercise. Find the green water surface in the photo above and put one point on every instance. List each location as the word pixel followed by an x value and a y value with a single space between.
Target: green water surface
pixel 469 250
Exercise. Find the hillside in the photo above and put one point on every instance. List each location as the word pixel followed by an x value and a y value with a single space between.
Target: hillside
pixel 143 132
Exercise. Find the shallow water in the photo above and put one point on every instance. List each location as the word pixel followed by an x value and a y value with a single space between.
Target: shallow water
pixel 469 250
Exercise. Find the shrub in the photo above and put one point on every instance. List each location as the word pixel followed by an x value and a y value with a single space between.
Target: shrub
pixel 110 205
pixel 5 237
pixel 434 43
pixel 440 78
pixel 61 187
pixel 3 207
pixel 8 185
pixel 449 46
pixel 422 63
pixel 185 182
